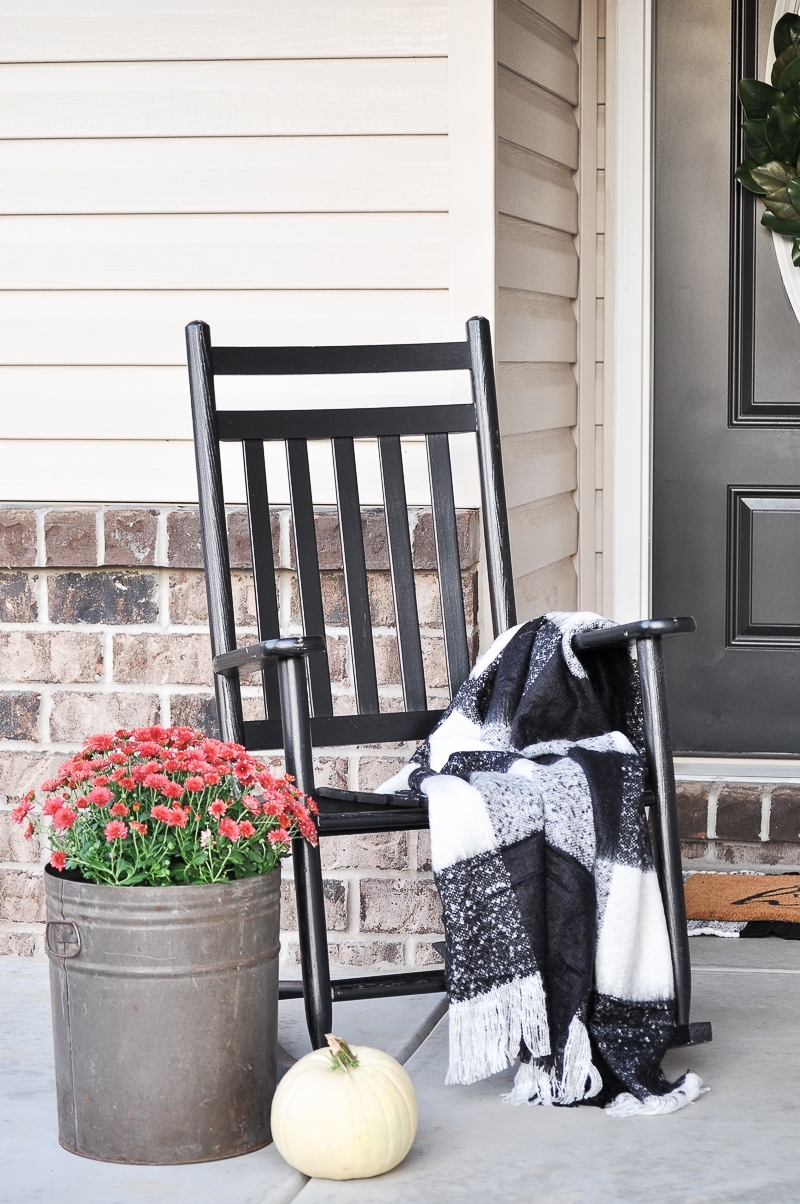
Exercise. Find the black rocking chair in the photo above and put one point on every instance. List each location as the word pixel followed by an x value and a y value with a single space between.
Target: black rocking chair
pixel 290 664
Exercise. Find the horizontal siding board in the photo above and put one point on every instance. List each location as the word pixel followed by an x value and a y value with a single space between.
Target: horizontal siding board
pixel 120 327
pixel 542 533
pixel 535 258
pixel 154 471
pixel 133 402
pixel 539 465
pixel 229 252
pixel 535 189
pixel 85 30
pixel 190 99
pixel 565 14
pixel 536 50
pixel 535 397
pixel 223 175
pixel 601 136
pixel 534 119
pixel 531 327
pixel 555 587
pixel 149 471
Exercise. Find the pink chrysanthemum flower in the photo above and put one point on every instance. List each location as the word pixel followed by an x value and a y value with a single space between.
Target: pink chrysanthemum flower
pixel 229 828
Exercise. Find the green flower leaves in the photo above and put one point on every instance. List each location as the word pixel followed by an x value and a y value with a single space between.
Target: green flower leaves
pixel 787 51
pixel 772 131
pixel 787 33
pixel 744 176
pixel 756 134
pixel 757 98
pixel 775 181
pixel 782 129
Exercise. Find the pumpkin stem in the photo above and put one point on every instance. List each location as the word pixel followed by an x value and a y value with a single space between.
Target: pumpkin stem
pixel 342 1056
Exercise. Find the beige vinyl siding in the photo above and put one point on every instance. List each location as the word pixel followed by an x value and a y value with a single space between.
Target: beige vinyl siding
pixel 277 169
pixel 225 251
pixel 233 99
pixel 116 30
pixel 213 175
pixel 537 277
pixel 602 377
pixel 592 432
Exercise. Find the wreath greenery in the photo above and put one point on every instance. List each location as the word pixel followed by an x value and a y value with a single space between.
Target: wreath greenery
pixel 772 132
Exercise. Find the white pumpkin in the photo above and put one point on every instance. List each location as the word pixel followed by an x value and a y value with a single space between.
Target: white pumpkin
pixel 344 1113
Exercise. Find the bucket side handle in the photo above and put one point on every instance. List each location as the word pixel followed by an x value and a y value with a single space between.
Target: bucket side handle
pixel 62 938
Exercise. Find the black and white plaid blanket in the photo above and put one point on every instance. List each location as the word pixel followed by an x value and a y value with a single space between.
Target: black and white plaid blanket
pixel 557 946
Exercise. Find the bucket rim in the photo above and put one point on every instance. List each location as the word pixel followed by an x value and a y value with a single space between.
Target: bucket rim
pixel 56 877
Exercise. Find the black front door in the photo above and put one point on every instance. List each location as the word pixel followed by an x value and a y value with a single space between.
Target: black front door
pixel 726 529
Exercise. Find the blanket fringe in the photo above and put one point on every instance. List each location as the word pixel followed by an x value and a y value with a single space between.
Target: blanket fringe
pixel 687 1090
pixel 487 1030
pixel 580 1078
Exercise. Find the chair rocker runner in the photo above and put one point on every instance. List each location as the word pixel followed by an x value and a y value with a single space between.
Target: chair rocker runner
pixel 289 665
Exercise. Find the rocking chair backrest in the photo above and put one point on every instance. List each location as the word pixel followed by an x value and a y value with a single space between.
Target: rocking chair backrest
pixel 252 428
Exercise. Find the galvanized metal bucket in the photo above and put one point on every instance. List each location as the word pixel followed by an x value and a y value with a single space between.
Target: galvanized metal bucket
pixel 165 1014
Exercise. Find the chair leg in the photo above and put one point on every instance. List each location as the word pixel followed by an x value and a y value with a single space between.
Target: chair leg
pixel 667 849
pixel 317 994
pixel 307 864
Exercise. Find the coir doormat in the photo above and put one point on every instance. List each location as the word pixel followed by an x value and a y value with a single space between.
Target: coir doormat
pixel 744 897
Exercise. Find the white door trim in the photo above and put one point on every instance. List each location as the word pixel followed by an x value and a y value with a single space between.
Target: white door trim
pixel 630 163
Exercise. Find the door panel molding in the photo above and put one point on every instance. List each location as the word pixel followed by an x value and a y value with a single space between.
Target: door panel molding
pixel 753 618
pixel 743 408
pixel 629 168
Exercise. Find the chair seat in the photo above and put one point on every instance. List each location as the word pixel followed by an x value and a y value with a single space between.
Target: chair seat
pixel 353 811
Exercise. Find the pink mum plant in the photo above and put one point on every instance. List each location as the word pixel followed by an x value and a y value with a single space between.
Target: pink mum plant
pixel 168 806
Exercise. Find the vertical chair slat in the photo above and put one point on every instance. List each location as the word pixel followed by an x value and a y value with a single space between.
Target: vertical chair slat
pixel 493 493
pixel 402 569
pixel 212 525
pixel 255 475
pixel 362 651
pixel 445 535
pixel 308 579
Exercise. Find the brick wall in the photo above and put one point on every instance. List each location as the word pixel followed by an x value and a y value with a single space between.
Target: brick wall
pixel 103 624
pixel 739 823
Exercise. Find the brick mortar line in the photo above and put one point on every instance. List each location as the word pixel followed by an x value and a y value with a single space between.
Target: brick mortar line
pixel 328 751
pixel 22 867
pixel 47 627
pixel 115 687
pixel 711 822
pixel 41 551
pixel 766 811
pixel 100 536
pixel 354 873
pixel 45 715
pixel 193 629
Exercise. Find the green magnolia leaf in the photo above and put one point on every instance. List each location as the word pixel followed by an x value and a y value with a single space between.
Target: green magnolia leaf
pixel 791 76
pixel 782 62
pixel 757 98
pixel 773 177
pixel 787 32
pixel 793 188
pixel 791 100
pixel 783 133
pixel 780 227
pixel 756 134
pixel 783 209
pixel 796 252
pixel 746 180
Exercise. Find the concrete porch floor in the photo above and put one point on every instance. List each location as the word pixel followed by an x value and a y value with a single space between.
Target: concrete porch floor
pixel 739 1144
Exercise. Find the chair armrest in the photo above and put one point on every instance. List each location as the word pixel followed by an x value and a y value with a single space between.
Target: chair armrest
pixel 255 656
pixel 645 629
